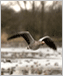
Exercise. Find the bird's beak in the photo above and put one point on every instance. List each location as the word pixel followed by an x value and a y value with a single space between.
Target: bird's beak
pixel 43 42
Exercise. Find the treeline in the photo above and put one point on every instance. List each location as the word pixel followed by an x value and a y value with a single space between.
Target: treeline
pixel 38 23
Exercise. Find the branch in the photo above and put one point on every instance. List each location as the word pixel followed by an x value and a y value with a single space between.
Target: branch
pixel 19 5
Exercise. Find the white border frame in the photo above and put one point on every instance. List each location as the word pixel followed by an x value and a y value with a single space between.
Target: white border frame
pixel 62 35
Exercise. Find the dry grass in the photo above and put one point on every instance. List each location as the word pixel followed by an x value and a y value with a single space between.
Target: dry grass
pixel 4 37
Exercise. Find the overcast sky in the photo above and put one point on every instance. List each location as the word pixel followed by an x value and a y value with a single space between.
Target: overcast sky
pixel 28 6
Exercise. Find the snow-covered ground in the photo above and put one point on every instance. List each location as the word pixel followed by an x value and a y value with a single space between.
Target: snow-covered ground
pixel 21 61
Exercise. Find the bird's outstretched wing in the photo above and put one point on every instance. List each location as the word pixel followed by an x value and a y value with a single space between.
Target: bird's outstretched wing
pixel 25 34
pixel 49 42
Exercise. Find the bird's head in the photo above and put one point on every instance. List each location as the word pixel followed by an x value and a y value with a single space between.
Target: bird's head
pixel 42 42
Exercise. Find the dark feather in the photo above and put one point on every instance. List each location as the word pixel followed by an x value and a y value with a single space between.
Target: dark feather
pixel 26 35
pixel 50 42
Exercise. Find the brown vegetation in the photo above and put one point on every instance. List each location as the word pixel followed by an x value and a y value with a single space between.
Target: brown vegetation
pixel 38 23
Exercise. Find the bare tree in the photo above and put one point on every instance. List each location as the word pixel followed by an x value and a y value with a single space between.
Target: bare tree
pixel 43 18
pixel 19 4
pixel 25 4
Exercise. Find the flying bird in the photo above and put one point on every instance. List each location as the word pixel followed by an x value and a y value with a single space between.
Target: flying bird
pixel 33 44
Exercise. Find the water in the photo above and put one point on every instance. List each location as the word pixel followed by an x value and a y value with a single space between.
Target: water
pixel 21 58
